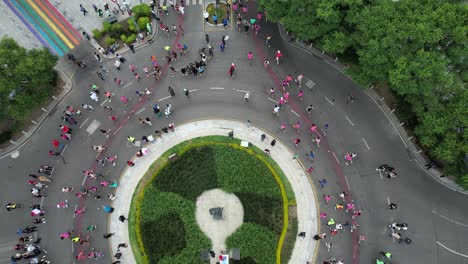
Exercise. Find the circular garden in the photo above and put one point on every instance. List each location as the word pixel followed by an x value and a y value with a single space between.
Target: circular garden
pixel 163 226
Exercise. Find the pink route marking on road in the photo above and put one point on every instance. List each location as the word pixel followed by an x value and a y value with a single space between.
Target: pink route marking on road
pixel 77 223
pixel 305 119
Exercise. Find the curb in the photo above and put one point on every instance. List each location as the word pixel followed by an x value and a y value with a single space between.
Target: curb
pixel 414 152
pixel 126 49
pixel 38 124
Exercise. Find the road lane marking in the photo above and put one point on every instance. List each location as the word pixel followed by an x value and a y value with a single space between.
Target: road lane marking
pixel 451 250
pixel 63 150
pixel 84 122
pixel 347 183
pixel 329 101
pixel 365 143
pixel 242 91
pixel 292 111
pixel 272 100
pixel 104 101
pixel 162 99
pixel 127 85
pixel 337 160
pixel 216 88
pixel 349 120
pixel 193 90
pixel 93 126
pixel 143 109
pixel 448 219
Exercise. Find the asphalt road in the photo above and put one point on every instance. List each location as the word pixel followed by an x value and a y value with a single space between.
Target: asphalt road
pixel 436 215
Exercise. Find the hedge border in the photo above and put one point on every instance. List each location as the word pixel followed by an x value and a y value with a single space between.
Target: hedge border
pixel 181 151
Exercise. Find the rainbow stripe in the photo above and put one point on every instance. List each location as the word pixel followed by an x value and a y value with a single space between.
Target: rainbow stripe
pixel 46 24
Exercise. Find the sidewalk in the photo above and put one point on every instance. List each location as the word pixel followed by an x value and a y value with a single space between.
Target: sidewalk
pixel 304 249
pixel 413 150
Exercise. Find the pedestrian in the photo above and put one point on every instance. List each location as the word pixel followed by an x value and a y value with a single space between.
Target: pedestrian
pixel 273 142
pixel 225 23
pixel 99 74
pixel 310 170
pixel 298 127
pixel 276 109
pixel 215 19
pixel 262 137
pixel 248 123
pixel 82 9
pixel 268 40
pixel 117 65
pixel 299 80
pixel 309 110
pixel 207 38
pixel 392 206
pixel 122 218
pixel 171 91
pixel 322 183
pixel 187 92
pixel 327 198
pixel 91 228
pixel 266 63
pixel 53 153
pixel 221 46
pixel 206 15
pixel 278 55
pixel 100 13
pixel 124 245
pixel 130 163
pixel 301 234
pixel 124 99
pixel 296 142
pixel 106 236
pixel 283 127
pixel 317 142
pixel 132 48
pixel 98 58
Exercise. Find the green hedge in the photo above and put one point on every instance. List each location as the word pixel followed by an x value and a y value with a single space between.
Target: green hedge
pixel 208 165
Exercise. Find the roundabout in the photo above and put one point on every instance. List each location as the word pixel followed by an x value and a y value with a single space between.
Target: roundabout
pixel 330 137
pixel 293 185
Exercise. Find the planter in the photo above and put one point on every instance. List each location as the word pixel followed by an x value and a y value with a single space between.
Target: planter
pixel 221 12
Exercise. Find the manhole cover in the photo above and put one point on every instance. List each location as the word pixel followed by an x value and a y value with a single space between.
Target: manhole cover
pixel 15 154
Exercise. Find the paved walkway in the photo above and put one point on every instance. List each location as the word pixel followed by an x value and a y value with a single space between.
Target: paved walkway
pixel 219 230
pixel 304 249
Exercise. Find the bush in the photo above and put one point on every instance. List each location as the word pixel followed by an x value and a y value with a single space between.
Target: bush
pixel 106 27
pixel 141 10
pixel 123 37
pixel 109 41
pixel 142 21
pixel 131 25
pixel 97 34
pixel 116 29
pixel 130 39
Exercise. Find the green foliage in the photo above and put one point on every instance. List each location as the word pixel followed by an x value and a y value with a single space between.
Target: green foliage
pixel 106 26
pixel 123 37
pixel 156 206
pixel 142 21
pixel 196 168
pixel 177 184
pixel 263 211
pixel 289 240
pixel 116 29
pixel 417 47
pixel 131 25
pixel 141 10
pixel 130 39
pixel 165 226
pixel 220 11
pixel 254 241
pixel 97 34
pixel 109 41
pixel 27 79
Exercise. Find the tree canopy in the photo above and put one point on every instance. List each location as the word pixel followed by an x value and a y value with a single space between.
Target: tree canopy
pixel 417 47
pixel 27 79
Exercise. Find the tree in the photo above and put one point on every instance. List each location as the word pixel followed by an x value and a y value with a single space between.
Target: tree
pixel 27 79
pixel 141 10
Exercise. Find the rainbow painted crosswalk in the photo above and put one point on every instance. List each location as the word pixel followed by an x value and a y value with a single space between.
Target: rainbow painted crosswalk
pixel 46 24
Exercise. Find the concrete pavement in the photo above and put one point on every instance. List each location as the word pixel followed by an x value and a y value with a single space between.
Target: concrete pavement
pixel 304 249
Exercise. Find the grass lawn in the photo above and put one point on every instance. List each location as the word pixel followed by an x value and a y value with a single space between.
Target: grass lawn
pixel 165 207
